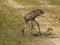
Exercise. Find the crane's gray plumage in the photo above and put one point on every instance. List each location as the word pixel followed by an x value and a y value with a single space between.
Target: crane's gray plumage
pixel 32 15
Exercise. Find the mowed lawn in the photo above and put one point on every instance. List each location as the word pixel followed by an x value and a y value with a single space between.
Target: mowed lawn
pixel 11 21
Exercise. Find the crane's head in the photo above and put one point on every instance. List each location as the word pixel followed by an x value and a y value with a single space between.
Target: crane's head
pixel 41 11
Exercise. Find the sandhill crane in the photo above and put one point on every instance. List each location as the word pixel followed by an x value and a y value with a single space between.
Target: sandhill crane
pixel 31 17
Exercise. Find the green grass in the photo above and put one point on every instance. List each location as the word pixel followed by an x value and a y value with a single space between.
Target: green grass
pixel 36 2
pixel 9 21
pixel 55 2
pixel 5 39
pixel 28 2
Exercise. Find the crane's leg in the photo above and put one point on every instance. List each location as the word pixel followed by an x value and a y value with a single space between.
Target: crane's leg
pixel 38 27
pixel 31 27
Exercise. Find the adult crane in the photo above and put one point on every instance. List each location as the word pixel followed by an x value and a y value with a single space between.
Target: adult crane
pixel 31 17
